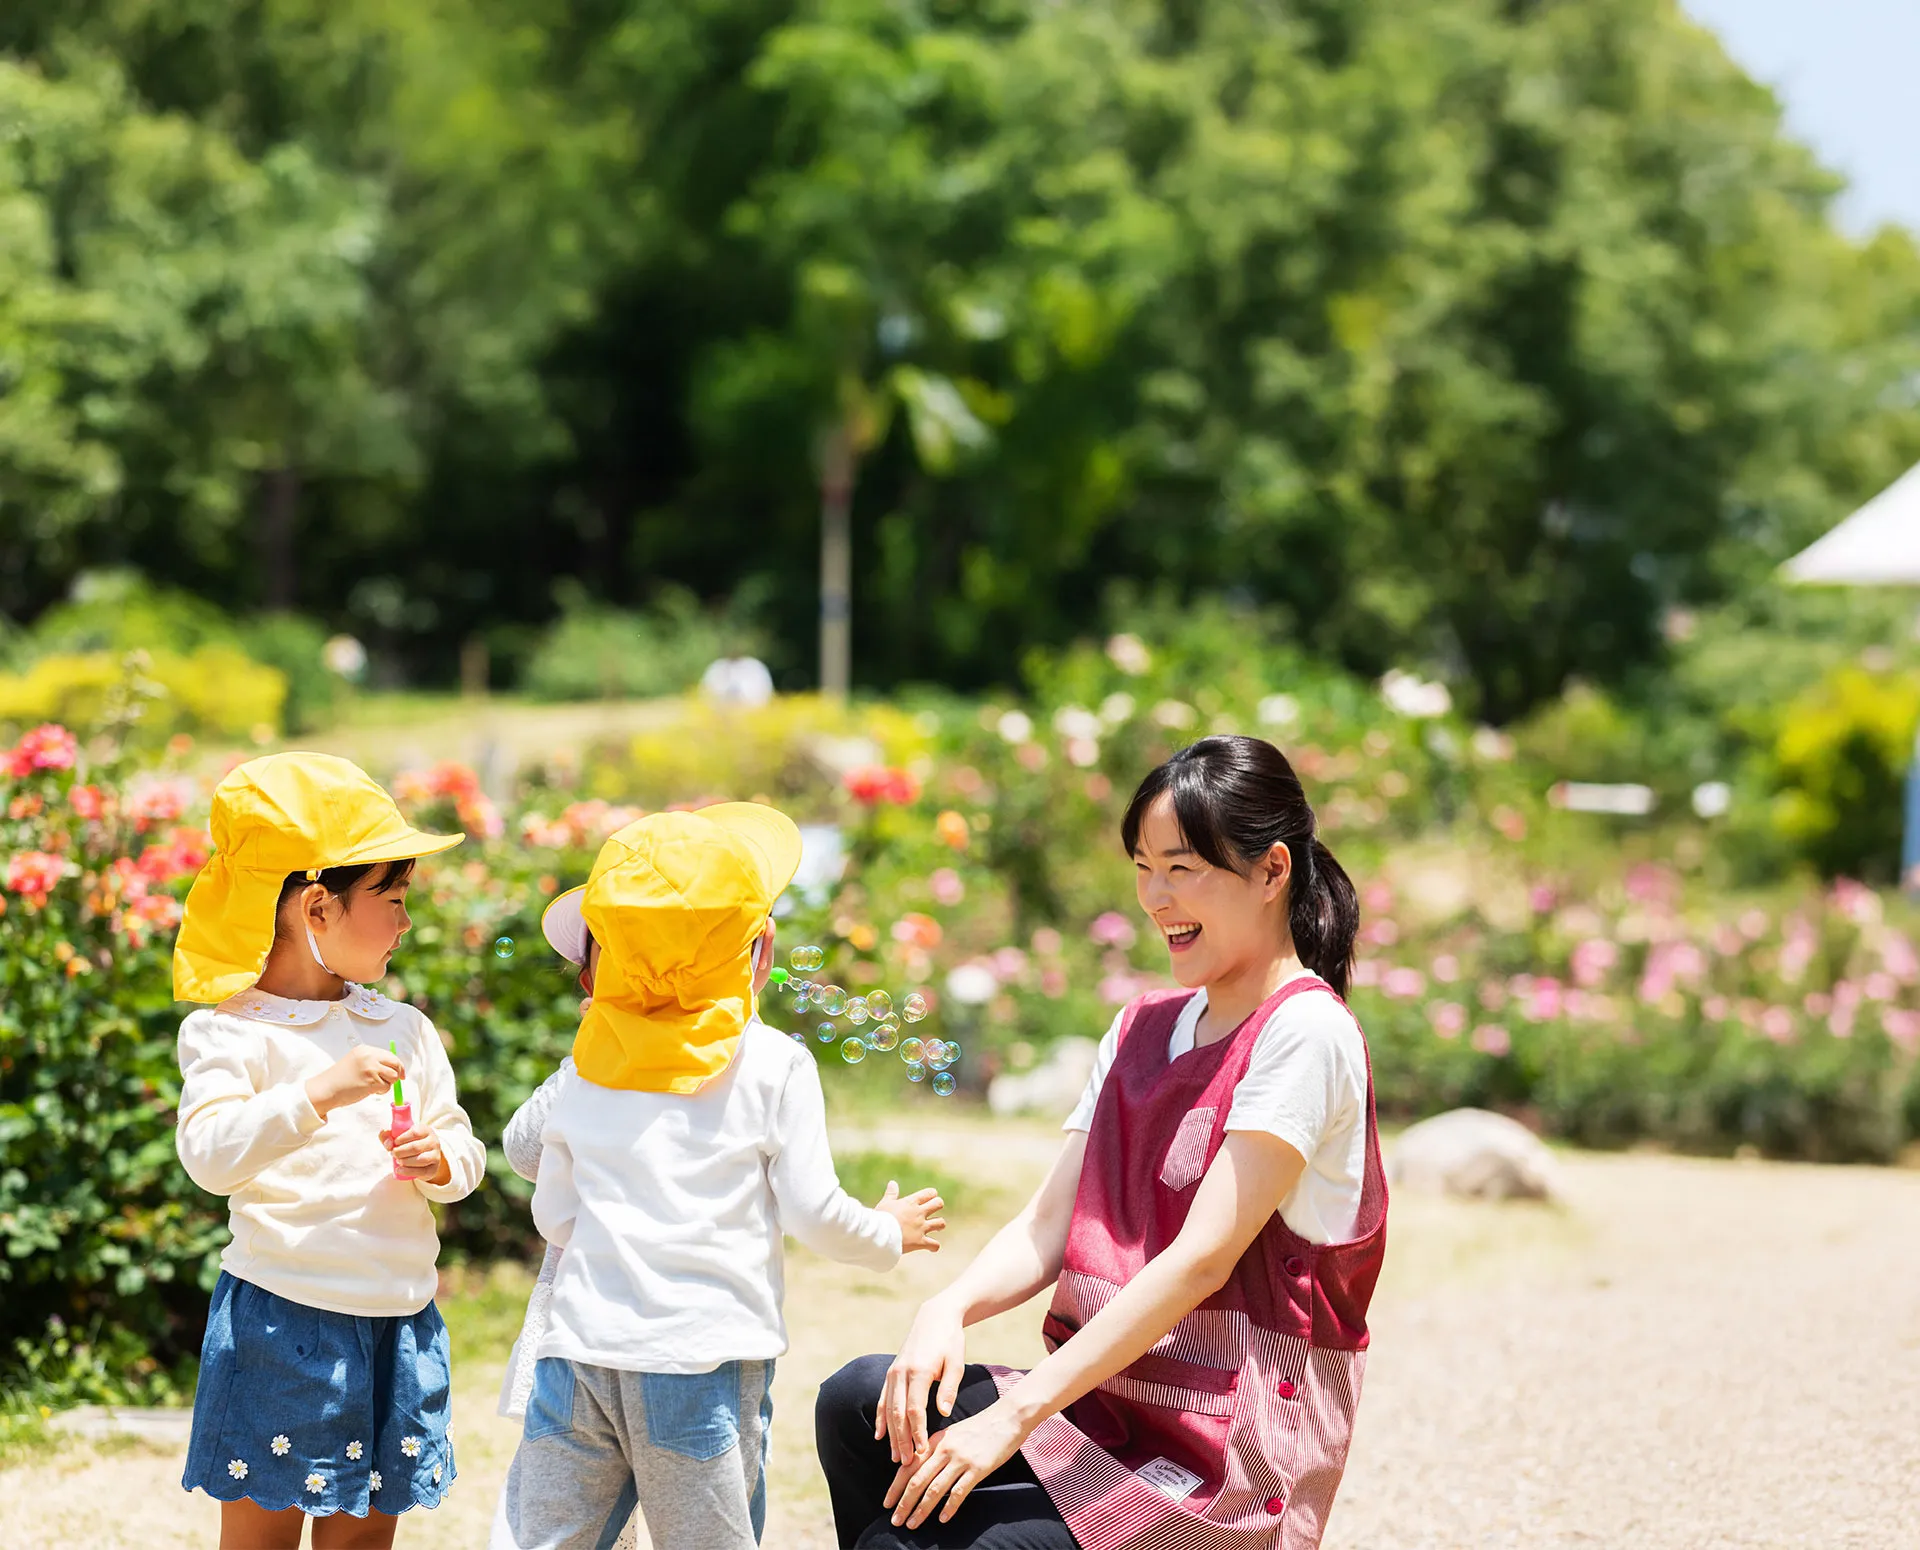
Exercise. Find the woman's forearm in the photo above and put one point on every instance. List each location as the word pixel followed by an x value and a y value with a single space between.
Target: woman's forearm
pixel 1024 1257
pixel 1014 1266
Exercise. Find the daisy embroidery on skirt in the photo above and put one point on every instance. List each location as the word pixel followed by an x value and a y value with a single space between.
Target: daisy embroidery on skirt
pixel 353 1452
pixel 316 1483
pixel 237 1468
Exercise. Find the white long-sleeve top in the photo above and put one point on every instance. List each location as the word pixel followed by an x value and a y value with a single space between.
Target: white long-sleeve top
pixel 671 1209
pixel 315 1211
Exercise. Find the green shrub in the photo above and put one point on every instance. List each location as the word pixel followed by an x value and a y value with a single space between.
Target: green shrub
pixel 1840 761
pixel 595 652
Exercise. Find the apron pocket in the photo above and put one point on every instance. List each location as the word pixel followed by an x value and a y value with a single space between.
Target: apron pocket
pixel 1186 1157
pixel 1173 1384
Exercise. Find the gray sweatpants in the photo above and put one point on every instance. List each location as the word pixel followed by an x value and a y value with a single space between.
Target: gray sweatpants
pixel 691 1447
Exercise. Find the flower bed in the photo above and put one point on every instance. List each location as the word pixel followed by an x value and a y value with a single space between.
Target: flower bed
pixel 1597 977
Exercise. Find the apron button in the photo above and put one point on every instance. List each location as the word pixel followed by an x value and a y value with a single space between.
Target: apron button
pixel 1276 1504
pixel 1286 1388
pixel 1295 1265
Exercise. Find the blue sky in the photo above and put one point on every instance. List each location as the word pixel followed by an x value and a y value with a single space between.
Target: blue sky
pixel 1849 74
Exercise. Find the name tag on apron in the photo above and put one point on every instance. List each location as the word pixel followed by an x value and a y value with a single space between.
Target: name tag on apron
pixel 1168 1478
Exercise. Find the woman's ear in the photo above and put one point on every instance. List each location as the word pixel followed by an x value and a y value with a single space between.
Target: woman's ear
pixel 1279 869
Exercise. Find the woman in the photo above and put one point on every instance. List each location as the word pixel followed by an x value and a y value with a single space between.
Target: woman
pixel 1212 1231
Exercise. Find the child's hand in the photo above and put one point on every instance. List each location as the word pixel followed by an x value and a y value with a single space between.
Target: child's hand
pixel 918 1215
pixel 418 1155
pixel 360 1073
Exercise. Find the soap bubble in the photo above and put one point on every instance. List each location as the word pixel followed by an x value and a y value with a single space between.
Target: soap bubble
pixel 934 1052
pixel 807 959
pixel 778 976
pixel 953 1052
pixel 857 1010
pixel 884 1036
pixel 854 1051
pixel 826 1033
pixel 831 999
pixel 914 1007
pixel 879 1004
pixel 802 995
pixel 503 947
pixel 799 1036
pixel 944 1084
pixel 913 1052
pixel 916 1073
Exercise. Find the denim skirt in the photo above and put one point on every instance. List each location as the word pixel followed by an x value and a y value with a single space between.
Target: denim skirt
pixel 327 1412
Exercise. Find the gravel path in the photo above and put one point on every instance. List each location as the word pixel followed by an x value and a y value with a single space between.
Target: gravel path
pixel 1691 1355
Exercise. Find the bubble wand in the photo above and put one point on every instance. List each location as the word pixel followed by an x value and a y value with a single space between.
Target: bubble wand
pixel 402 1114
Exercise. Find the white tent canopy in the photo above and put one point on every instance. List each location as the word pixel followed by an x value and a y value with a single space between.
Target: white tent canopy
pixel 1879 545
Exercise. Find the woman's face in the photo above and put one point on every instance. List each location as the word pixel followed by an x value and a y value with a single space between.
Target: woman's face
pixel 1214 921
pixel 358 931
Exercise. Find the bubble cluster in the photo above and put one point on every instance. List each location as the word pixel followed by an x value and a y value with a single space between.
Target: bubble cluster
pixel 875 1013
pixel 503 947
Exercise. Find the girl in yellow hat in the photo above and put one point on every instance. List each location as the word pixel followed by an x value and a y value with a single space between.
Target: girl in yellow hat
pixel 325 1374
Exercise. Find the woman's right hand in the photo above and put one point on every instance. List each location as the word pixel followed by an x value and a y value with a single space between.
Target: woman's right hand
pixel 360 1073
pixel 935 1352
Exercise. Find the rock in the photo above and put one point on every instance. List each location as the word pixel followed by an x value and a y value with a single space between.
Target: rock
pixel 1475 1154
pixel 1051 1088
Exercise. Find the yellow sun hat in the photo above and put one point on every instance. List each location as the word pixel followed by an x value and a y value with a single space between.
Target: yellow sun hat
pixel 676 902
pixel 286 813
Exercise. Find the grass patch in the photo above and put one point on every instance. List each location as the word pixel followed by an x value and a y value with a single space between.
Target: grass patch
pixel 864 1176
pixel 484 1307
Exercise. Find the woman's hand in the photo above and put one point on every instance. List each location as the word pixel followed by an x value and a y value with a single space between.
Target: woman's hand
pixel 961 1457
pixel 935 1351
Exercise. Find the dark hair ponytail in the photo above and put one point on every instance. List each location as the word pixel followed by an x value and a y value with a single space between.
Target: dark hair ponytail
pixel 1235 798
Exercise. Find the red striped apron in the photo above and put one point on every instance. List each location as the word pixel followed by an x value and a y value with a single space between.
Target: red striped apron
pixel 1232 1432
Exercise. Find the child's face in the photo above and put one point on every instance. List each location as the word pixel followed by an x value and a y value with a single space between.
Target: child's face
pixel 358 931
pixel 1214 921
pixel 587 972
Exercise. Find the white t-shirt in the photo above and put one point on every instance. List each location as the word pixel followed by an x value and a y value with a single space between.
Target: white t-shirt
pixel 671 1208
pixel 1306 1083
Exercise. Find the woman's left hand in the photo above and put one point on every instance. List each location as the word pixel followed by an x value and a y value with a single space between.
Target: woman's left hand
pixel 958 1459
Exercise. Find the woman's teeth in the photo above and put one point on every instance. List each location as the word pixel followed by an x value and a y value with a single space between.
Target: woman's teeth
pixel 1181 936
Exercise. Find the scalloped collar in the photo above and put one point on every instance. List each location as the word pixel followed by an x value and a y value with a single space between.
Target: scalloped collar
pixel 262 1007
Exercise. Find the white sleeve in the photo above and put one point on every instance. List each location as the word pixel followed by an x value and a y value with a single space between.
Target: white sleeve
pixel 229 1128
pixel 521 1139
pixel 440 1111
pixel 556 1198
pixel 1082 1116
pixel 1307 1078
pixel 806 1189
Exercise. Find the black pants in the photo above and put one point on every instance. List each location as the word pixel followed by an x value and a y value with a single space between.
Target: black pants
pixel 1009 1510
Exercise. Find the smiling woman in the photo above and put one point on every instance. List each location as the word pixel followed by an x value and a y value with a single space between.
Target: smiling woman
pixel 1213 1230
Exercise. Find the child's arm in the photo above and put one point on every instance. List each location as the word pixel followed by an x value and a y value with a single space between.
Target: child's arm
pixel 813 1206
pixel 521 1139
pixel 464 1156
pixel 556 1201
pixel 229 1128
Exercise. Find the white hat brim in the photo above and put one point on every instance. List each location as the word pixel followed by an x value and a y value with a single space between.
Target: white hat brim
pixel 564 927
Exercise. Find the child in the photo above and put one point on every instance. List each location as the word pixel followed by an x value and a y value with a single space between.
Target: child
pixel 688 1139
pixel 324 1374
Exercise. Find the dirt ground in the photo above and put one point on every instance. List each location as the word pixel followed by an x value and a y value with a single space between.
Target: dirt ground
pixel 1688 1355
